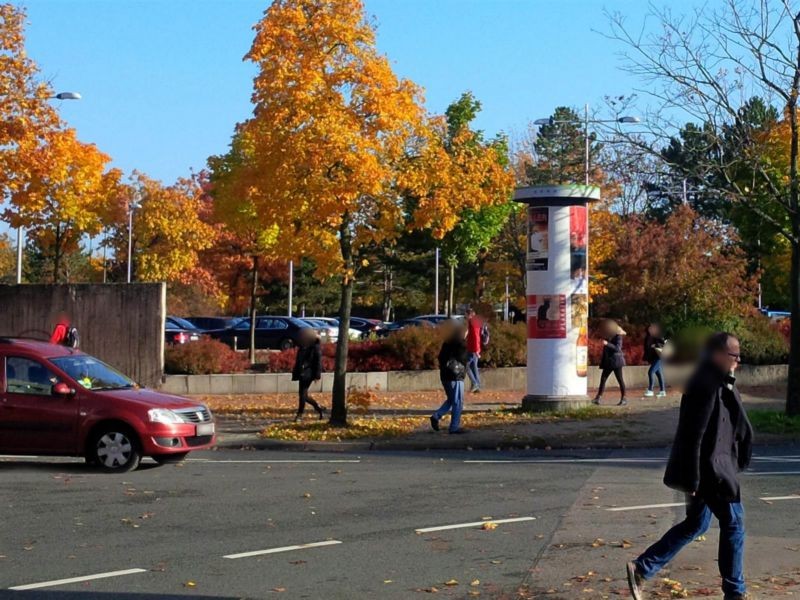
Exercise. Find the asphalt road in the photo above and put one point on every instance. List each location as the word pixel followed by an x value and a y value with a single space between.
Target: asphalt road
pixel 228 524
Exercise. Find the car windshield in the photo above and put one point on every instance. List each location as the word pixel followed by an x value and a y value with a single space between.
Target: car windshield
pixel 92 373
pixel 183 323
pixel 296 322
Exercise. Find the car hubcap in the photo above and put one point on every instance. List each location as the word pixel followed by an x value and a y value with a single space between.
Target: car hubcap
pixel 114 450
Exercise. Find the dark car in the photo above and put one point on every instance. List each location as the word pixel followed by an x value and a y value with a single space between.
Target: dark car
pixel 366 326
pixel 59 401
pixel 213 323
pixel 272 333
pixel 390 328
pixel 180 331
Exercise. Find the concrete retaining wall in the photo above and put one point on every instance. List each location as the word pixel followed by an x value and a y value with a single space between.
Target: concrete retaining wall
pixel 420 381
pixel 121 324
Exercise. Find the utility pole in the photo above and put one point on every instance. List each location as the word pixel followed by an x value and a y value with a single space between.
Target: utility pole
pixel 19 254
pixel 291 285
pixel 436 286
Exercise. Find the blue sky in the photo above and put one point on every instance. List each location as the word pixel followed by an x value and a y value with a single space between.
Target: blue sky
pixel 164 83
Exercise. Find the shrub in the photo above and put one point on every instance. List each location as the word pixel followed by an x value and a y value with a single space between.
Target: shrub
pixel 507 347
pixel 417 347
pixel 762 342
pixel 204 357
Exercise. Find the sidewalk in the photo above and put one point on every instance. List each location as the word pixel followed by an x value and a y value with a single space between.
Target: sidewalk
pixel 644 422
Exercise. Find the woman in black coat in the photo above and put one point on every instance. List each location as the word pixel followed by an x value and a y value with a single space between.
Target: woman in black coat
pixel 613 360
pixel 452 370
pixel 307 369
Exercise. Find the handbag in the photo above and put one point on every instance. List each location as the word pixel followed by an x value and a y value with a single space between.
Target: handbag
pixel 456 368
pixel 664 351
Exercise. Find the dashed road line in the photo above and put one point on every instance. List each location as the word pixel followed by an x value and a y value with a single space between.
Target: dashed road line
pixel 57 582
pixel 283 549
pixel 777 498
pixel 474 524
pixel 645 506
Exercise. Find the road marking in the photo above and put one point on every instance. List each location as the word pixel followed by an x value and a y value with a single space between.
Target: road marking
pixel 309 461
pixel 475 524
pixel 283 549
pixel 645 506
pixel 566 460
pixel 44 584
pixel 774 498
pixel 762 473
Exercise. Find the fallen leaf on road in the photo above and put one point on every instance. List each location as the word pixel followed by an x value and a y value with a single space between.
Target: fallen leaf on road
pixel 190 584
pixel 279 589
pixel 475 583
pixel 306 495
pixel 451 583
pixel 599 542
pixel 387 581
pixel 489 526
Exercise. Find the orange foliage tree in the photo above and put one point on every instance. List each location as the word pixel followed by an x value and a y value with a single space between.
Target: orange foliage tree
pixel 336 144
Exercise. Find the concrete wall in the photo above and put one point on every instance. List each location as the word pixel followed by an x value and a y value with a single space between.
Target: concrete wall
pixel 121 324
pixel 419 381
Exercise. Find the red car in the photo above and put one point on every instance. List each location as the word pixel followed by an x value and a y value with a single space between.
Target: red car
pixel 59 401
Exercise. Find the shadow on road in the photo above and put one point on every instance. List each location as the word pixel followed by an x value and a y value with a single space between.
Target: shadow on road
pixel 84 595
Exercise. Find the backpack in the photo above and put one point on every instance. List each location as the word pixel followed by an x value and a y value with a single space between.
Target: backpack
pixel 73 339
pixel 485 338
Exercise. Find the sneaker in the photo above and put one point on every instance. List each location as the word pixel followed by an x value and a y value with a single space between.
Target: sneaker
pixel 649 394
pixel 623 402
pixel 476 391
pixel 596 400
pixel 662 394
pixel 635 581
pixel 435 423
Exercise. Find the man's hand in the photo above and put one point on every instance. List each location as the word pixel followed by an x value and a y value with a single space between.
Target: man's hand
pixel 605 342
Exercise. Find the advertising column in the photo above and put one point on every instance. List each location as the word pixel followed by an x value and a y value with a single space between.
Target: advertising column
pixel 557 294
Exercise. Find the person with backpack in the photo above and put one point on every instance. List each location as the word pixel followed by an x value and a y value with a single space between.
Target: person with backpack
pixel 453 358
pixel 64 334
pixel 654 348
pixel 613 360
pixel 477 339
pixel 308 369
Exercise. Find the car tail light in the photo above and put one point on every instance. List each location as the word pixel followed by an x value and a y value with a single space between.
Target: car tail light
pixel 181 338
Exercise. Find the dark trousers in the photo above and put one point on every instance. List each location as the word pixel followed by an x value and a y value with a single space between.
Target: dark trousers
pixel 604 378
pixel 304 397
pixel 698 517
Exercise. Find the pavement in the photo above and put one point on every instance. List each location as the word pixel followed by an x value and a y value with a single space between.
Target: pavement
pixel 644 423
pixel 389 525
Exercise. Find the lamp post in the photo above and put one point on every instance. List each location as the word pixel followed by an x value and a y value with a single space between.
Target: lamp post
pixel 436 286
pixel 59 96
pixel 586 121
pixel 131 207
pixel 291 285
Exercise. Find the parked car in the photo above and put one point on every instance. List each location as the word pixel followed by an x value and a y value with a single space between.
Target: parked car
pixel 390 328
pixel 272 333
pixel 366 326
pixel 439 319
pixel 327 332
pixel 59 401
pixel 352 332
pixel 213 323
pixel 180 331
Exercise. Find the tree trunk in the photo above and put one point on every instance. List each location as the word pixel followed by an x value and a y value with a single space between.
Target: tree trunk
pixel 339 399
pixel 793 387
pixel 253 292
pixel 57 255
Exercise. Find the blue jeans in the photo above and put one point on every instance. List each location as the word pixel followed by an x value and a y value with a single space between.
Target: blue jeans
pixel 698 518
pixel 454 403
pixel 472 370
pixel 655 370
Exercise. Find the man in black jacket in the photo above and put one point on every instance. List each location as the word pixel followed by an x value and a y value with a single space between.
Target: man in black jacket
pixel 712 445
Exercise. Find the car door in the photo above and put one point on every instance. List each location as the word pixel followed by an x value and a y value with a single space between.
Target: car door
pixel 34 418
pixel 266 336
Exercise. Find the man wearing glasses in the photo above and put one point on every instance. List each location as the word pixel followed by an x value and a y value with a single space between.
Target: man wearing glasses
pixel 712 445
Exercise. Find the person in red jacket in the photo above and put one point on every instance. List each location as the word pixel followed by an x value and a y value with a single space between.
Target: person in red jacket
pixel 61 330
pixel 474 347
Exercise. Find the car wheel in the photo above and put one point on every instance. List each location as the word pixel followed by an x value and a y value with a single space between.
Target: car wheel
pixel 115 449
pixel 286 344
pixel 170 459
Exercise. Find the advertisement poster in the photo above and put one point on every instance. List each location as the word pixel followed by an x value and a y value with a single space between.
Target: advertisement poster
pixel 538 242
pixel 547 317
pixel 578 237
pixel 579 321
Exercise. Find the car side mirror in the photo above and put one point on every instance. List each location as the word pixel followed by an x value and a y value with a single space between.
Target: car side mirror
pixel 62 389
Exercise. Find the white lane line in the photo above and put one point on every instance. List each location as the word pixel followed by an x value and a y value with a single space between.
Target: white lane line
pixel 283 549
pixel 44 584
pixel 763 473
pixel 475 524
pixel 775 498
pixel 211 461
pixel 645 506
pixel 566 461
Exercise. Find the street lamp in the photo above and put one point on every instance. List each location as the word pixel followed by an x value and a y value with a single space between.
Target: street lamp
pixel 131 207
pixel 59 96
pixel 586 121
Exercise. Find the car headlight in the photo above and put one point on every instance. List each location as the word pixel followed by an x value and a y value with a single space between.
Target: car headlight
pixel 163 415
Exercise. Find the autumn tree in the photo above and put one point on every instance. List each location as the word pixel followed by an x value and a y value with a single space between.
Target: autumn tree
pixel 702 68
pixel 335 144
pixel 7 259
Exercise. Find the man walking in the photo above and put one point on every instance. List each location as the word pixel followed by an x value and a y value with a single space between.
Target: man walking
pixel 474 347
pixel 713 443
